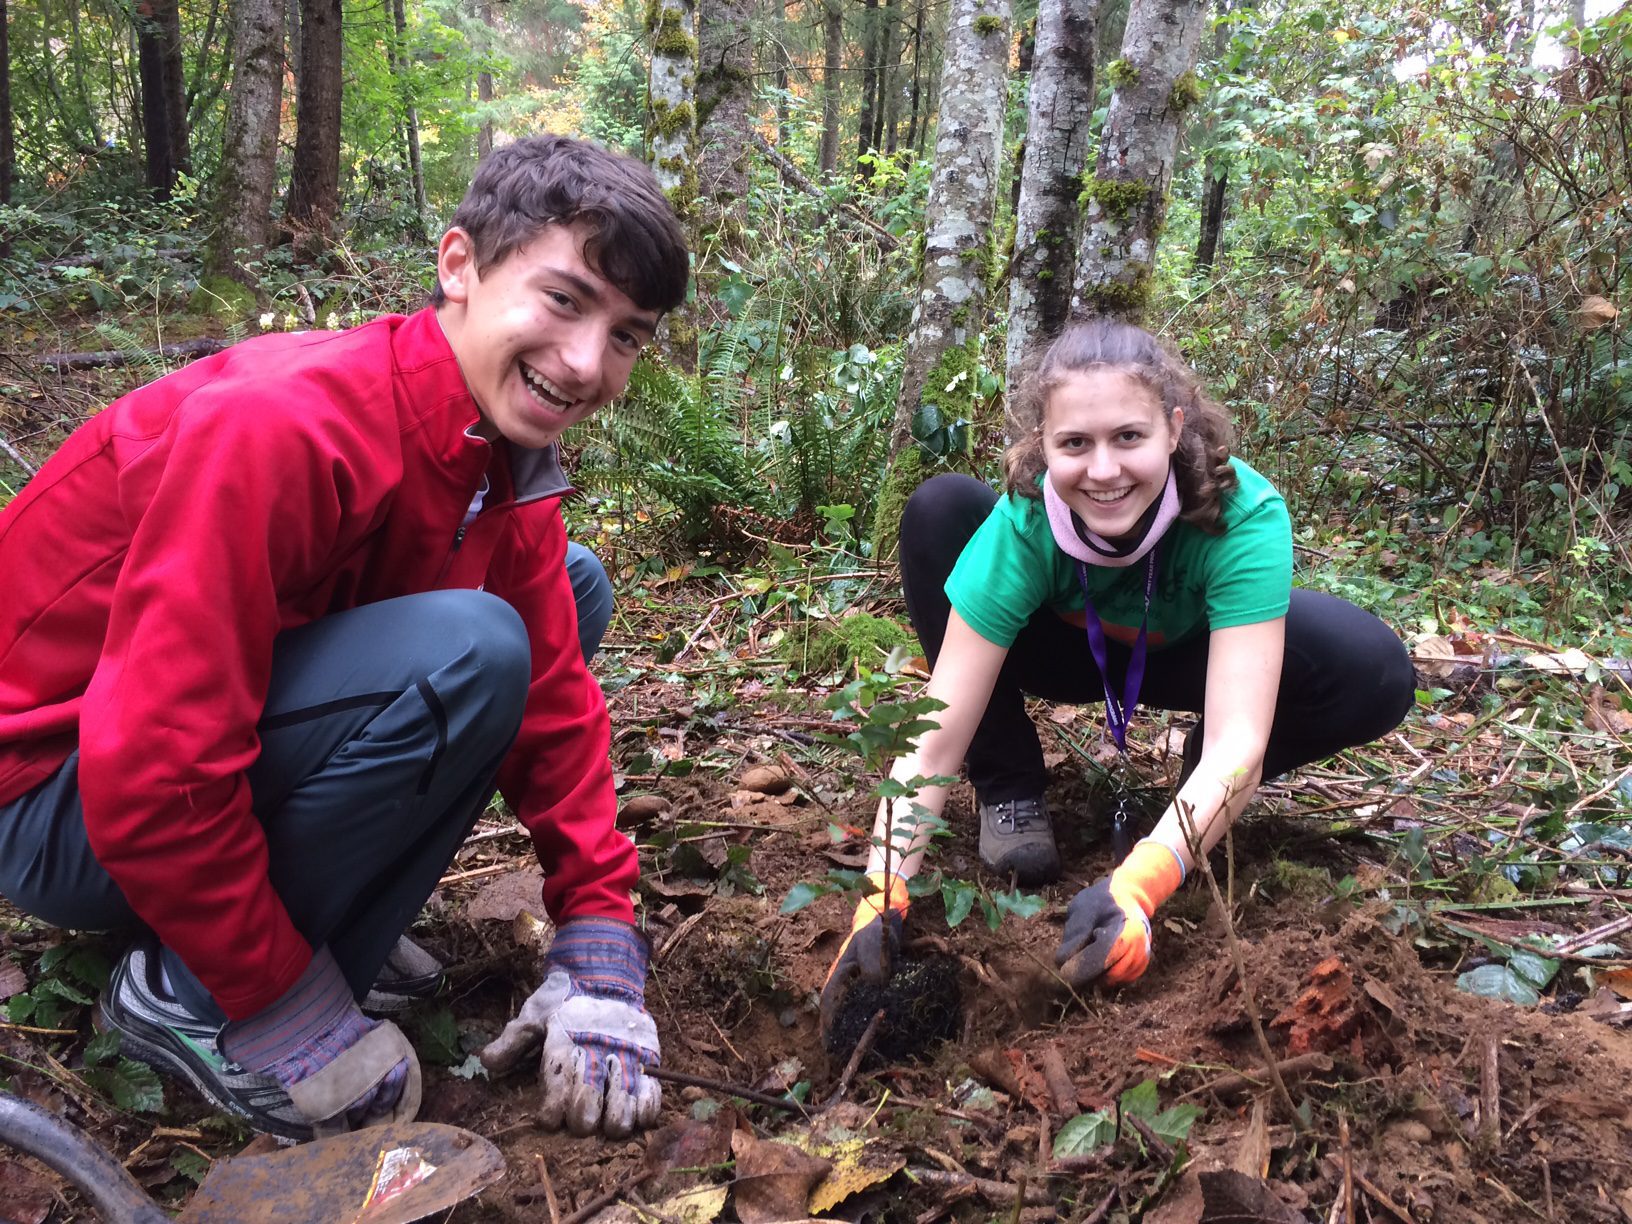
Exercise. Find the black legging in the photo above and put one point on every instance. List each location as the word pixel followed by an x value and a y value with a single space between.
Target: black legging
pixel 1346 678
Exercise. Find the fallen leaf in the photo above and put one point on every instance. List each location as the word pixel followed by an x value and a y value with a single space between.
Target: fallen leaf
pixel 691 1146
pixel 859 1163
pixel 1252 1156
pixel 1227 1195
pixel 1605 713
pixel 1434 656
pixel 25 1196
pixel 699 1205
pixel 12 979
pixel 1062 714
pixel 1564 662
pixel 1384 994
pixel 1033 1088
pixel 501 899
pixel 774 1179
pixel 1618 980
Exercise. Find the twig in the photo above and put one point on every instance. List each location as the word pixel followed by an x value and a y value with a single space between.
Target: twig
pixel 1387 1204
pixel 1490 1096
pixel 1002 1193
pixel 1302 1064
pixel 1059 1082
pixel 1348 1170
pixel 1596 935
pixel 549 1188
pixel 1192 835
pixel 597 1204
pixel 1100 1212
pixel 725 1089
pixel 1157 1144
pixel 859 1053
pixel 17 456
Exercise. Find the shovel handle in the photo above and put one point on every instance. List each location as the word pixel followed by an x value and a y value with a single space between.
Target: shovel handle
pixel 65 1149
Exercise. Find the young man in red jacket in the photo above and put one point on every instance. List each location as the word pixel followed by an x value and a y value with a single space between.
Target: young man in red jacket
pixel 277 625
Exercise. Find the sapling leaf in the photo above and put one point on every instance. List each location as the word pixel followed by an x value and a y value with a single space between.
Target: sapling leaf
pixel 1141 1100
pixel 1085 1134
pixel 801 895
pixel 959 897
pixel 1174 1124
pixel 101 1048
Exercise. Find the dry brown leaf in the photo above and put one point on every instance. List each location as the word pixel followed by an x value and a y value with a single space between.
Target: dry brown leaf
pixel 1252 1156
pixel 501 899
pixel 1434 656
pixel 774 1179
pixel 1604 713
pixel 1595 312
pixel 1241 1199
pixel 859 1163
pixel 25 1196
pixel 12 979
pixel 1618 980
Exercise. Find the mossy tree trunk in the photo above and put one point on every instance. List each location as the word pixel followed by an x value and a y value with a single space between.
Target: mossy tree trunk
pixel 725 97
pixel 1154 84
pixel 832 70
pixel 1059 111
pixel 962 196
pixel 245 177
pixel 672 145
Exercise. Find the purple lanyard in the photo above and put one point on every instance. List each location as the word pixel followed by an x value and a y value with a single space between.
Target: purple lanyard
pixel 1119 710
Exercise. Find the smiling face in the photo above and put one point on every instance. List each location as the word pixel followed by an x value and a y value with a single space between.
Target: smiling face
pixel 1107 444
pixel 542 338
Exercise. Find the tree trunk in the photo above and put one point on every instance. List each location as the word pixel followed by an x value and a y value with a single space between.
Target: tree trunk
pixel 962 198
pixel 725 77
pixel 672 141
pixel 917 73
pixel 869 86
pixel 410 113
pixel 832 66
pixel 1059 111
pixel 883 110
pixel 783 64
pixel 314 183
pixel 1127 198
pixel 241 195
pixel 8 150
pixel 164 107
pixel 1215 175
pixel 484 93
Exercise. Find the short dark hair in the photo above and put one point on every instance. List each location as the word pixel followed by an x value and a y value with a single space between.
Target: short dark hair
pixel 633 238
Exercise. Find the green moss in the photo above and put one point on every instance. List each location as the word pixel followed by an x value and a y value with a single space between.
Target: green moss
pixel 670 121
pixel 986 23
pixel 653 14
pixel 1186 92
pixel 1045 274
pixel 823 646
pixel 904 476
pixel 683 195
pixel 1122 74
pixel 222 298
pixel 1117 198
pixel 671 37
pixel 1120 299
pixel 1287 879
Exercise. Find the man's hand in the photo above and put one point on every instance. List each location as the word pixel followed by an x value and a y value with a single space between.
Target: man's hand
pixel 1107 926
pixel 590 1015
pixel 870 948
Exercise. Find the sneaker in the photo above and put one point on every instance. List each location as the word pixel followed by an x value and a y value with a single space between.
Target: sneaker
pixel 1016 839
pixel 156 1029
pixel 409 974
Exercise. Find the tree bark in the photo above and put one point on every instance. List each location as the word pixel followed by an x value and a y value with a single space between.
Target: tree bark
pixel 1215 176
pixel 832 66
pixel 672 141
pixel 314 183
pixel 917 74
pixel 725 67
pixel 8 150
pixel 869 86
pixel 884 107
pixel 410 113
pixel 164 106
pixel 245 178
pixel 484 92
pixel 1059 110
pixel 962 198
pixel 1127 197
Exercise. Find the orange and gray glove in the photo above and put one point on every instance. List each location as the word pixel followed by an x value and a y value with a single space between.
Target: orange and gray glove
pixel 1107 926
pixel 871 946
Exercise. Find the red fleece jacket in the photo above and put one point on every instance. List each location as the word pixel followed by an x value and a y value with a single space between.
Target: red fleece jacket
pixel 152 561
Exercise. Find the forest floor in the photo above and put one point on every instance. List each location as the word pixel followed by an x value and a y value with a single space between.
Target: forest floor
pixel 1359 892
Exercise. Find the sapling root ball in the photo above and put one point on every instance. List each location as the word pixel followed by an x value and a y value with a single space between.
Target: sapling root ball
pixel 921 1003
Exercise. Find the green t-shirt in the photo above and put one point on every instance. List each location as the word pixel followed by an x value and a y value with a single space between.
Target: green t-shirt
pixel 1011 567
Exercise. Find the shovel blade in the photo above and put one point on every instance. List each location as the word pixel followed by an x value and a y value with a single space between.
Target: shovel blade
pixel 382 1175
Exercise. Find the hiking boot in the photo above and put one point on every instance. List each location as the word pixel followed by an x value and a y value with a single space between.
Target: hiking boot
pixel 1016 839
pixel 156 1029
pixel 409 974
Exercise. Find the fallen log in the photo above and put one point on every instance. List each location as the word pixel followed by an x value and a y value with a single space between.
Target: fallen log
pixel 116 357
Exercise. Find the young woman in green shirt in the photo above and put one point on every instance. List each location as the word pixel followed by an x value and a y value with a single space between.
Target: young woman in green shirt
pixel 1130 559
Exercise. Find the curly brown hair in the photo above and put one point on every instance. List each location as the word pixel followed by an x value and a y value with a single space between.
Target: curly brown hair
pixel 1201 464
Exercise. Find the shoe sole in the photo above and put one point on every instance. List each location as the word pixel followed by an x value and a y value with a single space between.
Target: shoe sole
pixel 136 1042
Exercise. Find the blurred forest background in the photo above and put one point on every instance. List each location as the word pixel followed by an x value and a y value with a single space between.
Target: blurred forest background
pixel 1392 240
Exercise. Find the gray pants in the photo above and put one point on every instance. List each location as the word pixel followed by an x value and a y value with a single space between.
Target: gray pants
pixel 383 730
